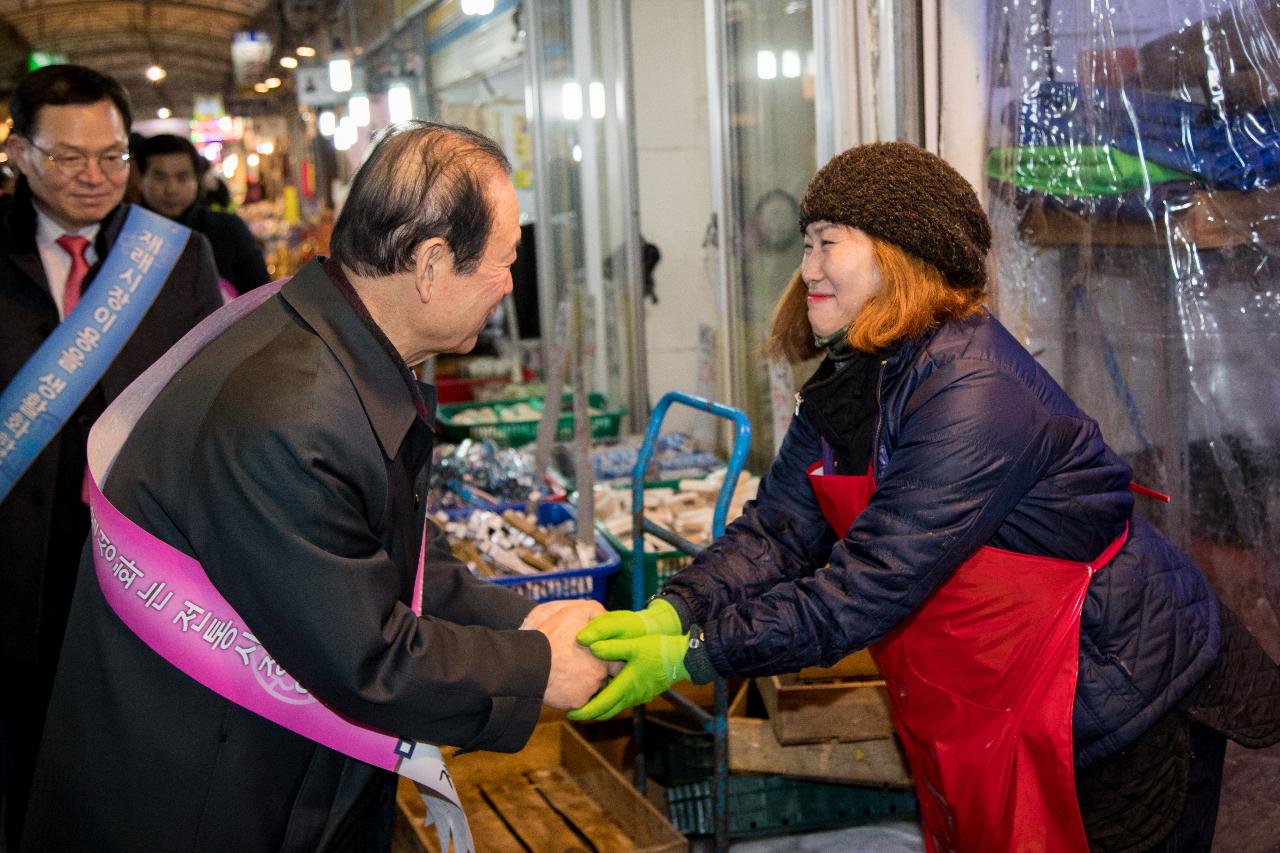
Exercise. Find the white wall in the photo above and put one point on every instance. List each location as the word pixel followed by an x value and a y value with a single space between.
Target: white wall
pixel 674 166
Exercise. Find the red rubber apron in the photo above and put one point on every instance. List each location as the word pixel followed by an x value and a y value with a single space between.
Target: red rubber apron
pixel 982 679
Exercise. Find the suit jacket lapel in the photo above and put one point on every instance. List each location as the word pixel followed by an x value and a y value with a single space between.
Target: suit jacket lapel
pixel 21 239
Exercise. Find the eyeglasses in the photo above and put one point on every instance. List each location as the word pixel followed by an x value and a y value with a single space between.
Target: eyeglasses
pixel 112 163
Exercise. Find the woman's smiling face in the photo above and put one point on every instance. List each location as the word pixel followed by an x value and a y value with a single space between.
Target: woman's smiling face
pixel 840 271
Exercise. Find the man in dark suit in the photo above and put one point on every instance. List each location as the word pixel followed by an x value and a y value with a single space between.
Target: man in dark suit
pixel 69 143
pixel 289 457
pixel 170 168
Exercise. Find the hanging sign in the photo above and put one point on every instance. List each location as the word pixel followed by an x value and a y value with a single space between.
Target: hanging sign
pixel 250 57
pixel 313 87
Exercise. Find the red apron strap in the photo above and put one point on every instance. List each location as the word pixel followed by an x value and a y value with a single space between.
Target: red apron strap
pixel 1112 549
pixel 1139 489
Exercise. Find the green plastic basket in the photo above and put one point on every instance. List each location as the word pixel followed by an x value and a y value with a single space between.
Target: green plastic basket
pixel 518 433
pixel 659 566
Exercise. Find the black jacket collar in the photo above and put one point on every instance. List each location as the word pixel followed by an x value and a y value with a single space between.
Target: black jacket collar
pixel 18 237
pixel 391 398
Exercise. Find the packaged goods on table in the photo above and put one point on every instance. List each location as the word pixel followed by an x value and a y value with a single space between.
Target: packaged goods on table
pixel 536 556
pixel 675 455
pixel 685 506
pixel 515 422
pixel 481 473
pixel 496 544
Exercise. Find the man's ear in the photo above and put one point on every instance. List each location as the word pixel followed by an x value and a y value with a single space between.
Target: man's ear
pixel 14 146
pixel 429 262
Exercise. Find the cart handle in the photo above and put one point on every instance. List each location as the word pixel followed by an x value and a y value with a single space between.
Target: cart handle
pixel 741 442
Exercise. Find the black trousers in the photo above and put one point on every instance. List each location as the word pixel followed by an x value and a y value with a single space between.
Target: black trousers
pixel 1160 795
pixel 1194 831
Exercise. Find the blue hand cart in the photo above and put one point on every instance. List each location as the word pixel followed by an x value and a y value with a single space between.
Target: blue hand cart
pixel 716 722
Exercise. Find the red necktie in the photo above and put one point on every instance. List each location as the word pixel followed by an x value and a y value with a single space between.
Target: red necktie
pixel 74 245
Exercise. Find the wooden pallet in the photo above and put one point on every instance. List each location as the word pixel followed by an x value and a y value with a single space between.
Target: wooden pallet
pixel 557 795
pixel 754 748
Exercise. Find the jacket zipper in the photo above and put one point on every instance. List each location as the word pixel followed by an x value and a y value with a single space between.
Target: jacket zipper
pixel 875 446
pixel 799 400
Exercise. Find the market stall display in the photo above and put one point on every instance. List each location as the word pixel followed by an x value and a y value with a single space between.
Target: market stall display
pixel 515 422
pixel 286 245
pixel 536 555
pixel 481 473
pixel 686 506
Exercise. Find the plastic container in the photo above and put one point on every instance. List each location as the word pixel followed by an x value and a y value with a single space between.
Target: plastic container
pixel 659 566
pixel 453 389
pixel 518 433
pixel 770 805
pixel 566 583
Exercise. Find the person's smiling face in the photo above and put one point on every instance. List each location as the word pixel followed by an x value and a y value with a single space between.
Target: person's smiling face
pixel 840 270
pixel 74 198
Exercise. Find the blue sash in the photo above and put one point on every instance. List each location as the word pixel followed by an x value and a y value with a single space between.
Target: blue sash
pixel 61 373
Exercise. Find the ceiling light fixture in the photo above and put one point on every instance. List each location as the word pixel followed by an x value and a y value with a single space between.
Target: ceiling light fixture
pixel 358 109
pixel 261 88
pixel 163 112
pixel 272 82
pixel 304 50
pixel 155 74
pixel 288 62
pixel 399 103
pixel 345 135
pixel 340 75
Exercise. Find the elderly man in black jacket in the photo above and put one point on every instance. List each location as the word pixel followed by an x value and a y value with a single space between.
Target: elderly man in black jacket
pixel 289 457
pixel 170 169
pixel 69 144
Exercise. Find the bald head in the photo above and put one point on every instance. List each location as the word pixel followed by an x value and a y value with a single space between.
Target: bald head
pixel 421 180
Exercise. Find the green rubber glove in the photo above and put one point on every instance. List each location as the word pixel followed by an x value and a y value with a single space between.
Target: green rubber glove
pixel 658 618
pixel 654 663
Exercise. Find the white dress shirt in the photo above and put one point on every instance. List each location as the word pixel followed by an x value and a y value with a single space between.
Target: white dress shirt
pixel 57 260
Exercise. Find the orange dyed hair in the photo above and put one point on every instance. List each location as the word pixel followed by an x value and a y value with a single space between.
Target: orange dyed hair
pixel 913 296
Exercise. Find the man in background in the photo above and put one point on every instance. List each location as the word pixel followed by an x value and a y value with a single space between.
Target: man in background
pixel 169 167
pixel 69 143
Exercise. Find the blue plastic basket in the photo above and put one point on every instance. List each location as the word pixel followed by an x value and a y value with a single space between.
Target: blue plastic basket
pixel 566 583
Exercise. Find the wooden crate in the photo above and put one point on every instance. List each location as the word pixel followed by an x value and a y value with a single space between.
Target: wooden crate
pixel 528 800
pixel 860 664
pixel 839 709
pixel 754 748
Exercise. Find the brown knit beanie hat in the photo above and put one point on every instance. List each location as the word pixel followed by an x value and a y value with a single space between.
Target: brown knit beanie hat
pixel 909 197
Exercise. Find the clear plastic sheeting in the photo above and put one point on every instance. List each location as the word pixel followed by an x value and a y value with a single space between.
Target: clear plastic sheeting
pixel 1134 176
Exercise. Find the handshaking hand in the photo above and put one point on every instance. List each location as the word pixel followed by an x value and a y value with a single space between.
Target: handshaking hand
pixel 658 618
pixel 654 662
pixel 575 673
pixel 652 646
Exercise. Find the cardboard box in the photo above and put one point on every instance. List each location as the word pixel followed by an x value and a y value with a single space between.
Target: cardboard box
pixel 549 796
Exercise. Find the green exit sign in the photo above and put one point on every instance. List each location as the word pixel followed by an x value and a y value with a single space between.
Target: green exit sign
pixel 41 58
